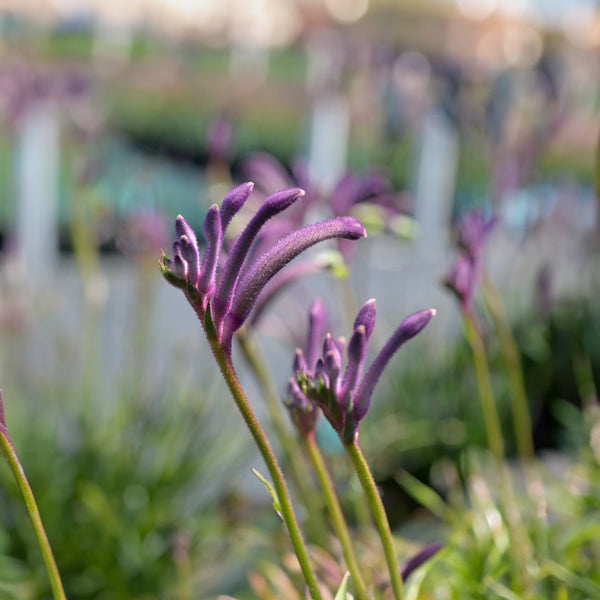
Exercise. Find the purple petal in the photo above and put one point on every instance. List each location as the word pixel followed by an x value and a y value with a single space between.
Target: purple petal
pixel 177 249
pixel 298 399
pixel 357 352
pixel 316 322
pixel 373 184
pixel 273 205
pixel 330 346
pixel 344 194
pixel 182 228
pixel 281 254
pixel 304 413
pixel 212 232
pixel 418 559
pixel 410 327
pixel 321 373
pixel 189 252
pixel 333 368
pixel 299 362
pixel 233 201
pixel 180 267
pixel 366 317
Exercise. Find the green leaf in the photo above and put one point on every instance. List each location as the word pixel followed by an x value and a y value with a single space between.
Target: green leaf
pixel 271 491
pixel 342 593
pixel 425 495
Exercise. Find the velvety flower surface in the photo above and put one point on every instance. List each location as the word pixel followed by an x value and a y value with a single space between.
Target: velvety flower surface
pixel 342 392
pixel 228 289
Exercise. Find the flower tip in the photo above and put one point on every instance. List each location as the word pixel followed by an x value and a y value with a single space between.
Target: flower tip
pixel 366 317
pixel 354 228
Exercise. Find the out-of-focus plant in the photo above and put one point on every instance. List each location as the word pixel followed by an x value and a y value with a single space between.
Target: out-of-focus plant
pixel 9 452
pixel 463 280
pixel 126 485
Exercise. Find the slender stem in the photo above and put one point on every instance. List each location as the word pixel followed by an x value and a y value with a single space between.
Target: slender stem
pixel 301 477
pixel 520 548
pixel 337 517
pixel 491 419
pixel 370 488
pixel 283 495
pixel 520 409
pixel 34 514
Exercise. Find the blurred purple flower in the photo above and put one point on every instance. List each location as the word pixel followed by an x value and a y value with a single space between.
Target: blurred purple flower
pixel 143 232
pixel 23 86
pixel 418 559
pixel 341 394
pixel 228 292
pixel 473 230
pixel 463 277
pixel 218 140
pixel 349 191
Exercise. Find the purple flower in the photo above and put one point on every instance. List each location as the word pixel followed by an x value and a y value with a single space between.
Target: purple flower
pixel 227 290
pixel 304 413
pixel 350 190
pixel 473 231
pixel 344 395
pixel 418 559
pixel 462 280
pixel 463 277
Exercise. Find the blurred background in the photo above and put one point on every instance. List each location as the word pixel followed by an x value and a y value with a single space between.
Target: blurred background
pixel 117 116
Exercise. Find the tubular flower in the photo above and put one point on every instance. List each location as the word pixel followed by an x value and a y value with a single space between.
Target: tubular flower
pixel 344 395
pixel 303 412
pixel 463 277
pixel 226 290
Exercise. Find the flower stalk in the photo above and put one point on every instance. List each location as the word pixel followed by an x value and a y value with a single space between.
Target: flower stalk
pixel 337 516
pixel 287 511
pixel 520 409
pixel 491 419
pixel 10 454
pixel 381 521
pixel 315 524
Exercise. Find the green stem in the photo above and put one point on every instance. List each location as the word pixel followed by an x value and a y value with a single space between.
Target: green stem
pixel 34 514
pixel 370 488
pixel 520 548
pixel 520 409
pixel 491 419
pixel 283 495
pixel 301 477
pixel 337 517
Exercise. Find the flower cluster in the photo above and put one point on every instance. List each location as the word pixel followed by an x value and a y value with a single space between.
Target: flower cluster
pixel 463 277
pixel 226 288
pixel 341 394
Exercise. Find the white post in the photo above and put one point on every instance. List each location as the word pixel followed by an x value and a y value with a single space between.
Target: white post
pixel 329 140
pixel 36 187
pixel 435 182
